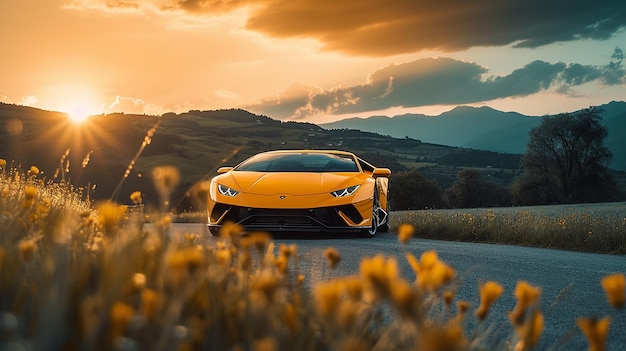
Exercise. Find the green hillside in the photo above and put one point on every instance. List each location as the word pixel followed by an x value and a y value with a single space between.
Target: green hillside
pixel 198 142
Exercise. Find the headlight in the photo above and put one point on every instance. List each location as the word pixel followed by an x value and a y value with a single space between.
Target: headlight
pixel 345 191
pixel 224 190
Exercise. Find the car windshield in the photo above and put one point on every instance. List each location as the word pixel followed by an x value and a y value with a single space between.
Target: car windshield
pixel 299 162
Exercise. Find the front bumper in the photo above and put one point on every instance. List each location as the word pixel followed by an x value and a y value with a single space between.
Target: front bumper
pixel 343 218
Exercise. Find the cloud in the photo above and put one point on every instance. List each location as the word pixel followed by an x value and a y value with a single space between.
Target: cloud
pixel 29 100
pixel 382 28
pixel 226 94
pixel 437 81
pixel 107 6
pixel 132 105
pixel 206 6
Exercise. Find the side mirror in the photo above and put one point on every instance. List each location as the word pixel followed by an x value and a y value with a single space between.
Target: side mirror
pixel 224 170
pixel 381 172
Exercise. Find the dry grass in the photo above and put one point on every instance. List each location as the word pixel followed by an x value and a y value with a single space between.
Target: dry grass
pixel 599 228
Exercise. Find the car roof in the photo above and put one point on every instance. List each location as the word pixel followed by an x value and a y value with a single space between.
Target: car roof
pixel 300 151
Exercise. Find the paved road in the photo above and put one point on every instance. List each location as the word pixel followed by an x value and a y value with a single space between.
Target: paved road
pixel 578 274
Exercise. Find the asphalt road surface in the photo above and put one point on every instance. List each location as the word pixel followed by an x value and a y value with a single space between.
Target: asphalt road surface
pixel 570 281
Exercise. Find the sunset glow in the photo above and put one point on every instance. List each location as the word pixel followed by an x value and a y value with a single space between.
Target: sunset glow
pixel 78 114
pixel 309 61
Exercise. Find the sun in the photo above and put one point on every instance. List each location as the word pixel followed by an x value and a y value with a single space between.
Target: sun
pixel 77 114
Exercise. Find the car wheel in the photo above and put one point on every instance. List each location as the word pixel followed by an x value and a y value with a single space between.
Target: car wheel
pixel 371 232
pixel 213 231
pixel 385 226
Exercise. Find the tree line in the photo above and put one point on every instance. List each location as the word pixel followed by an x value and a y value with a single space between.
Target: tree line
pixel 566 162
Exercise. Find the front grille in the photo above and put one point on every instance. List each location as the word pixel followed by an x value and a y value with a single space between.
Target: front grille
pixel 326 217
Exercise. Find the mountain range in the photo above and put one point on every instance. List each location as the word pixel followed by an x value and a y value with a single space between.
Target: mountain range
pixel 483 128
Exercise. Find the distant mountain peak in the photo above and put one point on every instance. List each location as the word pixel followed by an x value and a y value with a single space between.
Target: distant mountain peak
pixel 482 128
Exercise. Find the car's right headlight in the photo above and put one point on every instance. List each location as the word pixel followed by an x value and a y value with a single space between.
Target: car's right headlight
pixel 345 191
pixel 227 191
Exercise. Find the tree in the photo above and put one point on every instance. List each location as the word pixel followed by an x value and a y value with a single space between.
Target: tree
pixel 470 191
pixel 413 191
pixel 565 161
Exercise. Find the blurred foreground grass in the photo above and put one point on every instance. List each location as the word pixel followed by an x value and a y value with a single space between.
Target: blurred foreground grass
pixel 82 276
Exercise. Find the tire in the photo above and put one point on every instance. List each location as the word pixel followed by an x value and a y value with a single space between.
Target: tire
pixel 385 226
pixel 213 231
pixel 374 228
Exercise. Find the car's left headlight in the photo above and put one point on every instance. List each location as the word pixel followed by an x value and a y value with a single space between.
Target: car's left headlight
pixel 227 191
pixel 345 191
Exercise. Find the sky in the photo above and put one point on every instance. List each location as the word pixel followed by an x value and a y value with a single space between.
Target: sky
pixel 312 60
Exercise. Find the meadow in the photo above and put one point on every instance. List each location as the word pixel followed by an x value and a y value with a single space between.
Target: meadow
pixel 77 275
pixel 596 228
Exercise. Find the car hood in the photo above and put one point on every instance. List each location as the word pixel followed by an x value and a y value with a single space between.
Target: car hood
pixel 294 183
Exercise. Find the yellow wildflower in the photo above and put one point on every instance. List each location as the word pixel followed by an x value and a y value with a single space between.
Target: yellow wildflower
pixel 166 178
pixel 259 240
pixel 266 282
pixel 530 331
pixel 442 338
pixel 223 257
pixel 428 259
pixel 200 194
pixel 413 262
pixel 135 197
pixel 526 295
pixel 139 281
pixel 290 317
pixel 614 286
pixel 448 297
pixel 379 273
pixel 244 260
pixel 347 314
pixel 190 238
pixel 287 250
pixel 332 257
pixel 150 302
pixel 164 222
pixel 462 307
pixel 266 344
pixel 328 296
pixel 353 287
pixel 352 343
pixel 109 216
pixel 431 272
pixel 489 292
pixel 281 262
pixel 405 233
pixel 404 297
pixel 595 331
pixel 120 315
pixel 189 259
pixel 30 192
pixel 27 249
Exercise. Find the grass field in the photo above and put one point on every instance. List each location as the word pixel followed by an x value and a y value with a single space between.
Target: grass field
pixel 598 228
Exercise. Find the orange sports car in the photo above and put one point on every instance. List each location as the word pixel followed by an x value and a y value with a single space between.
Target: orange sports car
pixel 301 191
